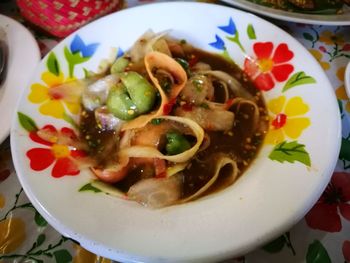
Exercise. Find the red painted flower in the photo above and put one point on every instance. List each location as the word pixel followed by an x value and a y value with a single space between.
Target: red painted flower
pixel 60 151
pixel 346 250
pixel 270 65
pixel 334 201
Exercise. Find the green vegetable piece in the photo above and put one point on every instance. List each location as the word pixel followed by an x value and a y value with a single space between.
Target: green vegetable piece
pixel 120 104
pixel 156 121
pixel 119 65
pixel 184 64
pixel 176 143
pixel 142 93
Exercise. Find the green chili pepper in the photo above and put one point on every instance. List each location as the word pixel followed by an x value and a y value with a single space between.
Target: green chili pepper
pixel 119 65
pixel 176 143
pixel 184 64
pixel 156 121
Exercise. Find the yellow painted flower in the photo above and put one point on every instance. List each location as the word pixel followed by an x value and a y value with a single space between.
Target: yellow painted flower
pixel 340 91
pixel 330 38
pixel 57 95
pixel 2 200
pixel 318 56
pixel 84 256
pixel 12 234
pixel 287 119
pixel 341 73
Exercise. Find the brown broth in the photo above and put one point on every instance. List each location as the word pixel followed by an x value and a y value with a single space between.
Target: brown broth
pixel 241 143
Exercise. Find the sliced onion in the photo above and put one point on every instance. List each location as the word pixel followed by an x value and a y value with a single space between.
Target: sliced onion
pixel 208 119
pixel 95 95
pixel 108 189
pixel 145 44
pixel 232 82
pixel 256 114
pixel 107 120
pixel 201 66
pixel 156 192
pixel 220 164
pixel 197 89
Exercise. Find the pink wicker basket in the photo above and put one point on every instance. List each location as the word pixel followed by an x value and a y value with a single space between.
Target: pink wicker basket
pixel 62 17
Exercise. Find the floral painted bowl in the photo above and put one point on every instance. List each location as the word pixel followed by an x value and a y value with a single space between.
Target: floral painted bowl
pixel 284 181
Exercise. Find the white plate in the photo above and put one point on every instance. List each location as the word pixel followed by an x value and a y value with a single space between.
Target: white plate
pixel 268 199
pixel 24 56
pixel 335 20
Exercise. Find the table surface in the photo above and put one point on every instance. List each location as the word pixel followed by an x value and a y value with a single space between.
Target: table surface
pixel 322 236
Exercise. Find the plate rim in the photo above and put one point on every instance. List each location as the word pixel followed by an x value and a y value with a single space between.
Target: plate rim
pixel 285 226
pixel 9 93
pixel 289 16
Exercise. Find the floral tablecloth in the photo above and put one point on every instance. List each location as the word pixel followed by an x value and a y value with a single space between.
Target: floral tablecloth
pixel 322 236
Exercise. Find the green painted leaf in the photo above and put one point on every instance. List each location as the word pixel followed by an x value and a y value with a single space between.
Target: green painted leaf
pixel 290 152
pixel 275 245
pixel 340 105
pixel 251 32
pixel 344 153
pixel 52 64
pixel 62 256
pixel 40 240
pixel 316 253
pixel 39 220
pixel 226 56
pixel 89 187
pixel 86 73
pixel 297 79
pixel 73 59
pixel 26 122
pixel 308 36
pixel 70 120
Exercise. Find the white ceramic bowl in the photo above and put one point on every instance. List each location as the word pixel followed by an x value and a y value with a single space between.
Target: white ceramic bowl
pixel 276 191
pixel 347 80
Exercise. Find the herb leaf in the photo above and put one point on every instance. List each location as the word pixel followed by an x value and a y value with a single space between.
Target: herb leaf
pixel 89 187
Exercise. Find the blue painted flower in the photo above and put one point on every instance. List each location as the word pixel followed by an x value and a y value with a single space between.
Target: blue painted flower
pixel 230 28
pixel 78 45
pixel 120 53
pixel 218 44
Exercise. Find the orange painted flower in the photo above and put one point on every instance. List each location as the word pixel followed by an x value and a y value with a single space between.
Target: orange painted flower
pixel 54 97
pixel 340 91
pixel 59 151
pixel 83 256
pixel 12 234
pixel 2 201
pixel 330 38
pixel 270 65
pixel 318 56
pixel 287 119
